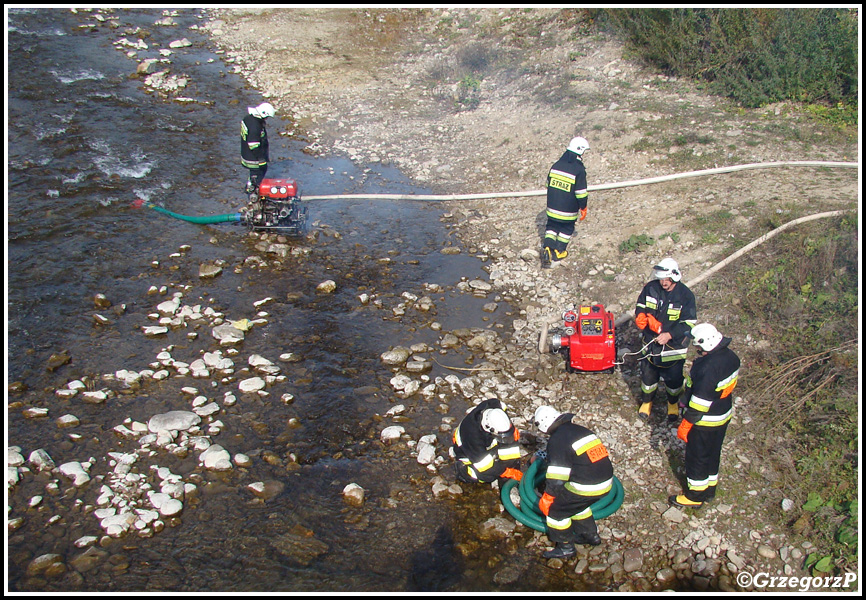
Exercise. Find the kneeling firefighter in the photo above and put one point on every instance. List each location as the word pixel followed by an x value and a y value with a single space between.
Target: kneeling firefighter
pixel 579 473
pixel 486 445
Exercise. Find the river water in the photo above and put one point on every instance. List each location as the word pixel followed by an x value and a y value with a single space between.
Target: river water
pixel 85 139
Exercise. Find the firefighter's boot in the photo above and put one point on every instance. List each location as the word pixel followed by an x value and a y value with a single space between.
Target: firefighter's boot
pixel 546 258
pixel 673 411
pixel 643 412
pixel 558 256
pixel 682 502
pixel 561 551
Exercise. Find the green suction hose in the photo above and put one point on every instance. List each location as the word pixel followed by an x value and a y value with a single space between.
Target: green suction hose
pixel 227 218
pixel 529 514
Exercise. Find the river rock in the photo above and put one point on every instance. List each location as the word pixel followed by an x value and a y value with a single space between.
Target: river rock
pixel 40 460
pixel 209 271
pixel 175 420
pixel 496 527
pixel 216 458
pixel 88 559
pixel 632 560
pixel 75 471
pixel 46 565
pixel 303 549
pixel 253 384
pixel 267 489
pixel 327 287
pixel 391 434
pixel 396 356
pixel 227 334
pixel 426 449
pixel 766 552
pixel 353 495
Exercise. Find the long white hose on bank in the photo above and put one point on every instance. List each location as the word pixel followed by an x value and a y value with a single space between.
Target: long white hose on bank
pixel 591 188
pixel 542 343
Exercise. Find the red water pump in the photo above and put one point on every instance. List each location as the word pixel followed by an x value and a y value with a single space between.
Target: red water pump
pixel 276 207
pixel 588 342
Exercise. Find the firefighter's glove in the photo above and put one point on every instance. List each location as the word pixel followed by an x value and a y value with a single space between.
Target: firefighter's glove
pixel 512 473
pixel 654 324
pixel 544 504
pixel 640 321
pixel 582 214
pixel 683 430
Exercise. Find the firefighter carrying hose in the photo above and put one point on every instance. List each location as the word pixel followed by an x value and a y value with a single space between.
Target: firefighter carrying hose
pixel 566 201
pixel 254 144
pixel 665 313
pixel 711 380
pixel 486 445
pixel 579 473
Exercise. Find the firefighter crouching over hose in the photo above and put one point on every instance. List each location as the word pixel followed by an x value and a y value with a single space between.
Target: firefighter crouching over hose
pixel 712 378
pixel 665 313
pixel 486 445
pixel 579 473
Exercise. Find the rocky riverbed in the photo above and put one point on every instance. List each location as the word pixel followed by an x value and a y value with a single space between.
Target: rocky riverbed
pixel 483 100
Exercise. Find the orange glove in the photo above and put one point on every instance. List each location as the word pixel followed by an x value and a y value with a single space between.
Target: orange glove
pixel 683 430
pixel 511 473
pixel 582 214
pixel 654 324
pixel 544 503
pixel 640 321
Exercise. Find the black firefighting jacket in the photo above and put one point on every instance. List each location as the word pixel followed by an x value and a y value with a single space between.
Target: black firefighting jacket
pixel 709 384
pixel 677 313
pixel 566 184
pixel 254 142
pixel 577 462
pixel 485 456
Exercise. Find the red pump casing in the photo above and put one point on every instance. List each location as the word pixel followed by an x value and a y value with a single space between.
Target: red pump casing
pixel 589 340
pixel 278 189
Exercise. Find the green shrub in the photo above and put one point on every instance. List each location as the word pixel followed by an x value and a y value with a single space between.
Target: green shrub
pixel 754 55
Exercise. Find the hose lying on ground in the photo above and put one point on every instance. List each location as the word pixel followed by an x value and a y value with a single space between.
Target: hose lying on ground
pixel 592 188
pixel 530 515
pixel 227 218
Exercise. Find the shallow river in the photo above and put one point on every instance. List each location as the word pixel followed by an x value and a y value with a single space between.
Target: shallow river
pixel 86 140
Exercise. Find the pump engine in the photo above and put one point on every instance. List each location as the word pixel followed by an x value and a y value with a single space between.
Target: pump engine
pixel 276 207
pixel 587 339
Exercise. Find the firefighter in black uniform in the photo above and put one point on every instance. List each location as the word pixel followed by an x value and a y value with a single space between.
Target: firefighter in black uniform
pixel 566 201
pixel 665 313
pixel 254 144
pixel 579 473
pixel 486 445
pixel 711 380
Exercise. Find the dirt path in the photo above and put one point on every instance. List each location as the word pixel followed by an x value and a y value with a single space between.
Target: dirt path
pixel 485 100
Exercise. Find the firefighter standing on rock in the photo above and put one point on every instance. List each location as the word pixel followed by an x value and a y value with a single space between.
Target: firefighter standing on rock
pixel 711 380
pixel 665 313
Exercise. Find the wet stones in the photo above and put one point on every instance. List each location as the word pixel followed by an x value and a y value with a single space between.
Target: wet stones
pixel 353 495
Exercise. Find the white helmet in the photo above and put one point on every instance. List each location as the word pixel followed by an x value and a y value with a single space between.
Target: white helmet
pixel 706 336
pixel 545 416
pixel 494 420
pixel 578 145
pixel 263 110
pixel 668 269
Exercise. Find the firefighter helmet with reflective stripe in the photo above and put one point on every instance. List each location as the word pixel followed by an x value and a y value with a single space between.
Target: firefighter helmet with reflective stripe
pixel 578 145
pixel 545 416
pixel 494 420
pixel 706 337
pixel 667 269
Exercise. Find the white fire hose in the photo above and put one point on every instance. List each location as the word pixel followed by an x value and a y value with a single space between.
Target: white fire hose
pixel 542 343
